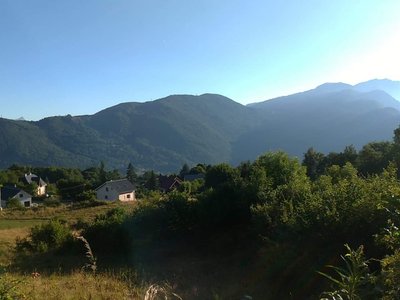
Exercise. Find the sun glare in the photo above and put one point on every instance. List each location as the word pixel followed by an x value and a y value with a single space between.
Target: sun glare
pixel 379 58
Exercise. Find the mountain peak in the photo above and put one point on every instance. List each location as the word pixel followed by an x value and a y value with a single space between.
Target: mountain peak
pixel 332 87
pixel 389 86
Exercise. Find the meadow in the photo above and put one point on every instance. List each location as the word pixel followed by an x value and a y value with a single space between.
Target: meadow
pixel 75 284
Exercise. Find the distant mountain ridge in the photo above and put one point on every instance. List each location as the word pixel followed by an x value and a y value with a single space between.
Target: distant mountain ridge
pixel 165 133
pixel 389 86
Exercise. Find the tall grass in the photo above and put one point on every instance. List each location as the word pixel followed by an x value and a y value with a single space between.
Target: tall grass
pixel 155 292
pixel 77 285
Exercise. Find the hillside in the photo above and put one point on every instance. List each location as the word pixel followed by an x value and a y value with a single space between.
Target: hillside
pixel 161 135
pixel 166 133
pixel 327 118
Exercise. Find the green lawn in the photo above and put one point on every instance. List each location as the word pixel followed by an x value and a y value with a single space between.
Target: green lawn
pixel 22 223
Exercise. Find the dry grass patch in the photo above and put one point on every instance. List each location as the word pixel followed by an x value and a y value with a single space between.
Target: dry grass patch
pixel 7 243
pixel 78 285
pixel 69 212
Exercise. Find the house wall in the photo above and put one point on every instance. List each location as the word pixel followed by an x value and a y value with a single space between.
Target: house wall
pixel 109 194
pixel 127 196
pixel 41 190
pixel 24 198
pixel 106 193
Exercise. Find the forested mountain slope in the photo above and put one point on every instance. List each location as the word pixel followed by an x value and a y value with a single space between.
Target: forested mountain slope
pixel 166 133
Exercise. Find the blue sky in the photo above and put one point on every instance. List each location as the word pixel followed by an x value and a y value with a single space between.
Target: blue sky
pixel 78 57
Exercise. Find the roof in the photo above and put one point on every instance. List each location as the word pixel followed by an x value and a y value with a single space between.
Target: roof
pixel 168 183
pixel 121 185
pixel 9 192
pixel 29 178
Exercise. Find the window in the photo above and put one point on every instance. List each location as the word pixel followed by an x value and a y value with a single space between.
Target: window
pixel 106 197
pixel 27 204
pixel 106 189
pixel 21 195
pixel 128 196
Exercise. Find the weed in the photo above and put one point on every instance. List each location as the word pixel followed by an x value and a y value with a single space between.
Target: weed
pixel 353 280
pixel 9 288
pixel 92 260
pixel 155 292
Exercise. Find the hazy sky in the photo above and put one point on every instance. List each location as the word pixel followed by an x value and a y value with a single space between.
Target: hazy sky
pixel 78 57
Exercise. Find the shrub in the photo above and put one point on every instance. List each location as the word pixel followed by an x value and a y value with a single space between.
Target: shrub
pixel 108 234
pixel 51 202
pixel 86 196
pixel 14 203
pixel 391 276
pixel 9 288
pixel 45 237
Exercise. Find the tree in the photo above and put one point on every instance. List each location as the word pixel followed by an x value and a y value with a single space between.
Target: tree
pixel 374 157
pixel 31 188
pixel 102 172
pixel 396 137
pixel 349 155
pixel 221 174
pixel 198 169
pixel 152 182
pixel 313 161
pixel 280 168
pixel 131 174
pixel 185 170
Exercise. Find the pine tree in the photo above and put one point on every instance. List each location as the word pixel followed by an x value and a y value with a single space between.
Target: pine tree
pixel 131 174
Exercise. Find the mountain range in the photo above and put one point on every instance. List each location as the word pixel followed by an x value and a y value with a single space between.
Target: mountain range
pixel 166 133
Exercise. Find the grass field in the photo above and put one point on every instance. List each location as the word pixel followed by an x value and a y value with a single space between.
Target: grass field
pixel 75 285
pixel 192 268
pixel 16 223
pixel 70 213
pixel 78 285
pixel 185 273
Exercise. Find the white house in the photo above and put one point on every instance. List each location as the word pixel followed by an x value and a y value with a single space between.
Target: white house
pixel 121 189
pixel 33 178
pixel 10 192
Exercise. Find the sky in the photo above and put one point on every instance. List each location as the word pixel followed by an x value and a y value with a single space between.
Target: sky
pixel 78 57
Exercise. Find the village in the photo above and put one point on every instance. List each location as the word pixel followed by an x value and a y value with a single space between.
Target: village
pixel 31 190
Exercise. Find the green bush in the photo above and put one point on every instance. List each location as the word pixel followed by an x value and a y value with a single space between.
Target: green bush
pixel 14 203
pixel 391 276
pixel 108 233
pixel 45 237
pixel 9 288
pixel 86 196
pixel 51 202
